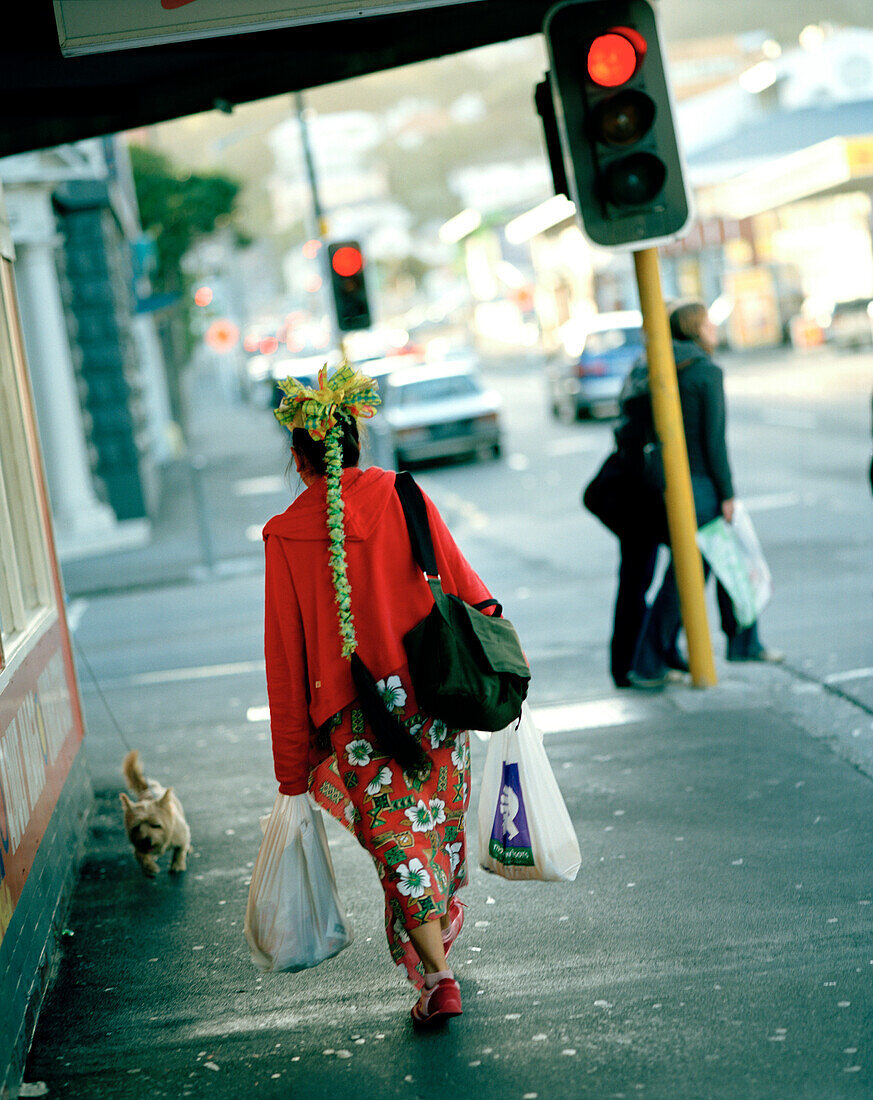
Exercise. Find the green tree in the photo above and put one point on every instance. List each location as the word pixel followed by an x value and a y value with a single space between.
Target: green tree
pixel 178 208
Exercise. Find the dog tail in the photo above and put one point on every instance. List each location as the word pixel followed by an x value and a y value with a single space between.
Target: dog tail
pixel 132 769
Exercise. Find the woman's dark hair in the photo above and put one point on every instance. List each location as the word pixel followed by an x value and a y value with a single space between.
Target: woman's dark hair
pixel 686 319
pixel 312 450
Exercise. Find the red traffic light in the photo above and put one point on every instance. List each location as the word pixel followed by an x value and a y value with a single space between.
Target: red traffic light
pixel 614 57
pixel 348 285
pixel 611 99
pixel 612 60
pixel 347 261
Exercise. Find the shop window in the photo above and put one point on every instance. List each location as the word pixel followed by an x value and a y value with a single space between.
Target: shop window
pixel 25 591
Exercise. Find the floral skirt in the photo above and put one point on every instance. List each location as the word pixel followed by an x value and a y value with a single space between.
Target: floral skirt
pixel 413 827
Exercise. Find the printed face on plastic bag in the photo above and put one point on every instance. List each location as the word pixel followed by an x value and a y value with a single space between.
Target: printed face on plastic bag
pixel 525 831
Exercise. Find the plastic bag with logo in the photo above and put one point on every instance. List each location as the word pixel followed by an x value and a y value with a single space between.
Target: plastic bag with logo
pixel 293 918
pixel 525 831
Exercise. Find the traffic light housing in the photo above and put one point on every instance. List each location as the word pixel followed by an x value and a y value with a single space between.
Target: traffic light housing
pixel 615 119
pixel 546 110
pixel 346 261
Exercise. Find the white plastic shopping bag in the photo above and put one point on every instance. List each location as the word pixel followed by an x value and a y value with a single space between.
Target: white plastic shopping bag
pixel 735 556
pixel 756 564
pixel 525 831
pixel 293 918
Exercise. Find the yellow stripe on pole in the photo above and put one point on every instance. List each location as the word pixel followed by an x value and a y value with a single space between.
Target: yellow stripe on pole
pixel 681 517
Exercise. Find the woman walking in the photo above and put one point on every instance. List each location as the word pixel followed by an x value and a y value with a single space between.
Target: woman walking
pixel 341 581
pixel 701 395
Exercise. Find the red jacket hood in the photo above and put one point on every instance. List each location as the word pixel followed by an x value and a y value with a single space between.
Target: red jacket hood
pixel 366 494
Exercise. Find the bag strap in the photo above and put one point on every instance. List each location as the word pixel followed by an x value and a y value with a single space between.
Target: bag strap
pixel 415 514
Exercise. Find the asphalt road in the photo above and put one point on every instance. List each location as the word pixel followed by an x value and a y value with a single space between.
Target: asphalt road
pixel 800 442
pixel 717 941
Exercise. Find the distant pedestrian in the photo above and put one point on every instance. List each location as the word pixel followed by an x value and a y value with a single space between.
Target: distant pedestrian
pixel 631 505
pixel 701 395
pixel 341 580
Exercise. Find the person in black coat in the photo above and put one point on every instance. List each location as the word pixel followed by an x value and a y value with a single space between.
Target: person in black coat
pixel 701 395
pixel 639 521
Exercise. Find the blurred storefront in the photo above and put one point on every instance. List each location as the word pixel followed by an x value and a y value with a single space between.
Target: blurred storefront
pixel 98 375
pixel 777 245
pixel 810 226
pixel 45 793
pixel 779 148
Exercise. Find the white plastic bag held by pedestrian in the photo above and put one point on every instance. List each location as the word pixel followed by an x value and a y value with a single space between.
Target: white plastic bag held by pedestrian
pixel 757 569
pixel 293 917
pixel 525 831
pixel 734 553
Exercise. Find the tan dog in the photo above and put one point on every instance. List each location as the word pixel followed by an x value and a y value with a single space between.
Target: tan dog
pixel 155 822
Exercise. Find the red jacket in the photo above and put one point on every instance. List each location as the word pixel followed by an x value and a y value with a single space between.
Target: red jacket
pixel 308 680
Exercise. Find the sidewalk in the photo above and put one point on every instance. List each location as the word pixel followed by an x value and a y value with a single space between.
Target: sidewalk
pixel 238 446
pixel 716 942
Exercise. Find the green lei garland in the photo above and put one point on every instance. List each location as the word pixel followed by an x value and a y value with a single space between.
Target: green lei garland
pixel 350 394
pixel 336 534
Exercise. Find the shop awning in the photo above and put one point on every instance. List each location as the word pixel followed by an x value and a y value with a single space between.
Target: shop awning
pixel 47 99
pixel 830 167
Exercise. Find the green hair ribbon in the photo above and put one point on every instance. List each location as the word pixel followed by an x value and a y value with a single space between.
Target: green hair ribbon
pixel 345 392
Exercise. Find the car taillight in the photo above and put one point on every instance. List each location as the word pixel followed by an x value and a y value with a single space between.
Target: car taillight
pixel 487 419
pixel 588 367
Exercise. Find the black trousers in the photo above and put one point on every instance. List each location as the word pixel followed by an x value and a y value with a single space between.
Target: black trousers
pixel 636 570
pixel 663 620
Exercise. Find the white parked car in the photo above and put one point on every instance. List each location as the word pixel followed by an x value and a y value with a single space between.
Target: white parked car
pixel 433 412
pixel 851 324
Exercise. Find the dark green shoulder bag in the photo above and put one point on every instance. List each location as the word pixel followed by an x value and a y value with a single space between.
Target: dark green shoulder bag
pixel 466 667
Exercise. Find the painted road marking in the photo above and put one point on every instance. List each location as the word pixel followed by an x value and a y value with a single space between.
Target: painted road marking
pixel 180 675
pixel 767 501
pixel 202 672
pixel 848 675
pixel 467 511
pixel 259 486
pixel 591 714
pixel 573 444
pixel 557 718
pixel 790 418
pixel 563 718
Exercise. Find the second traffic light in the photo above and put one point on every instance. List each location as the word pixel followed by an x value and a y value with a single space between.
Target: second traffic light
pixel 616 122
pixel 347 282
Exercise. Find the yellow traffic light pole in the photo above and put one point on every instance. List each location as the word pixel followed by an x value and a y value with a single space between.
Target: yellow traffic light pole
pixel 681 517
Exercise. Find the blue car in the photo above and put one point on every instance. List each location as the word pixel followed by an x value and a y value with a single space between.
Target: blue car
pixel 589 384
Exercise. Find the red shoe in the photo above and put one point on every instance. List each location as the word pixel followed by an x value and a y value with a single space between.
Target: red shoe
pixel 437 1005
pixel 456 923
